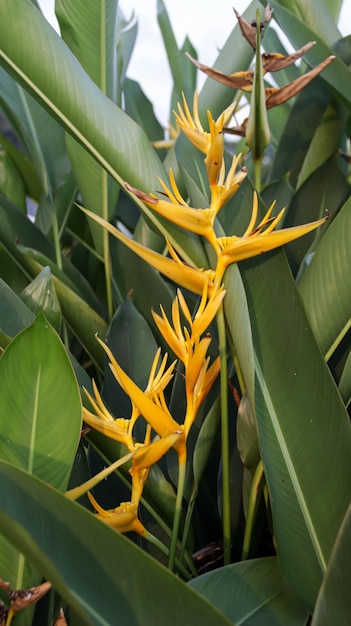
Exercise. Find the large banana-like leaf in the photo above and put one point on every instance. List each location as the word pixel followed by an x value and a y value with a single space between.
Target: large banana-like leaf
pixel 334 600
pixel 89 30
pixel 40 421
pixel 314 14
pixel 304 430
pixel 62 86
pixel 325 287
pixel 252 593
pixel 100 573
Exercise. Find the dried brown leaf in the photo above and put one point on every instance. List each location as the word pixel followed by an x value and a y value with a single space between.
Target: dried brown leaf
pixel 249 30
pixel 21 598
pixel 239 80
pixel 273 62
pixel 282 94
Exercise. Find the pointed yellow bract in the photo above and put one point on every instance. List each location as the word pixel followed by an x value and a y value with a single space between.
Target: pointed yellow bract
pixel 123 518
pixel 259 239
pixel 225 187
pixel 174 268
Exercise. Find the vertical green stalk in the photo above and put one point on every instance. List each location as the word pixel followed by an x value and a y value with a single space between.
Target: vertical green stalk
pixel 106 245
pixel 177 512
pixel 227 539
pixel 56 236
pixel 254 492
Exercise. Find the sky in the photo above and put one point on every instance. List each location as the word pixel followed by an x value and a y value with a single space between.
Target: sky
pixel 207 23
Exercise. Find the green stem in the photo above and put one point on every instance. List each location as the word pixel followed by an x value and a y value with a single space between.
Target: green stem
pixel 177 512
pixel 187 522
pixel 156 542
pixel 225 437
pixel 56 236
pixel 257 165
pixel 77 492
pixel 251 514
pixel 106 245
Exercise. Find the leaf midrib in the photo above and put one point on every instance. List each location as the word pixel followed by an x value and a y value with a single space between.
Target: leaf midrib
pixel 290 467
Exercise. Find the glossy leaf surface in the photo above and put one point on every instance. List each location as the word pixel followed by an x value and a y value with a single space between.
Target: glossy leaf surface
pixel 252 593
pixel 295 396
pixel 98 580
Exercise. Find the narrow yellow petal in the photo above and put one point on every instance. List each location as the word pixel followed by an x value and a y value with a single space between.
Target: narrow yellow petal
pixel 253 215
pixel 175 342
pixel 202 322
pixel 195 363
pixel 184 306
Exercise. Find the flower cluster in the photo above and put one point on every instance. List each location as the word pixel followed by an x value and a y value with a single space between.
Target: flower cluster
pixel 189 341
pixel 190 344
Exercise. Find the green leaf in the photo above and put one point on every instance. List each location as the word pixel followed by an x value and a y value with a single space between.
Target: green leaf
pixel 83 320
pixel 140 109
pixel 113 139
pixel 314 14
pixel 295 396
pixel 40 135
pixel 71 96
pixel 25 167
pixel 173 52
pixel 345 382
pixel 89 30
pixel 36 413
pixel 14 314
pixel 334 601
pixel 326 141
pixel 127 31
pixel 47 527
pixel 301 125
pixel 11 183
pixel 40 404
pixel 252 593
pixel 326 287
pixel 41 294
pixel 311 202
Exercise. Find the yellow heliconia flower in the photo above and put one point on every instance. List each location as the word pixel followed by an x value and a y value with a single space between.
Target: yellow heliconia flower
pixel 191 348
pixel 259 239
pixel 174 268
pixel 192 127
pixel 123 518
pixel 159 419
pixel 117 429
